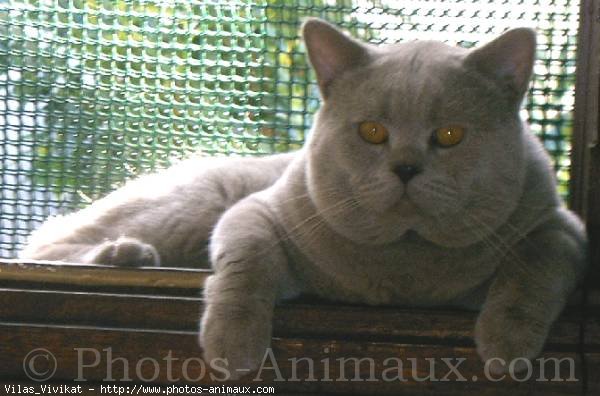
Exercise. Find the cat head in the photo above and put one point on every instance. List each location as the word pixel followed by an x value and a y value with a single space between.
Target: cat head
pixel 417 136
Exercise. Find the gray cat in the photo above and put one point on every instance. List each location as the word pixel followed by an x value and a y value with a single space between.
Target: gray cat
pixel 420 185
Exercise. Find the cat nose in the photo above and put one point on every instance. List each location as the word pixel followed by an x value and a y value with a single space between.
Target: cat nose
pixel 406 171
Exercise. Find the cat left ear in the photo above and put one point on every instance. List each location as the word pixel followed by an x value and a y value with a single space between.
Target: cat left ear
pixel 507 59
pixel 330 51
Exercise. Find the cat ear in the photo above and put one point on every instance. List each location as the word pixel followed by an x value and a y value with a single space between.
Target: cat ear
pixel 508 59
pixel 330 51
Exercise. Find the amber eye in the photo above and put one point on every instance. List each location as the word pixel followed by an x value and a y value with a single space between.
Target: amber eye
pixel 373 132
pixel 448 136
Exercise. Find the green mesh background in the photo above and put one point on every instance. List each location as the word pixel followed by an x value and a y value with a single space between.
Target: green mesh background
pixel 93 92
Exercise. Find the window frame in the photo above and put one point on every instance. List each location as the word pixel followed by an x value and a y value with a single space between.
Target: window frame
pixel 135 311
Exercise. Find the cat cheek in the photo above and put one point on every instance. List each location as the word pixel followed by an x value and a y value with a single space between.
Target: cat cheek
pixel 382 200
pixel 440 201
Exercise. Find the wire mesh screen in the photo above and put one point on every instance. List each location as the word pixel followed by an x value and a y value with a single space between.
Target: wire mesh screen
pixel 93 92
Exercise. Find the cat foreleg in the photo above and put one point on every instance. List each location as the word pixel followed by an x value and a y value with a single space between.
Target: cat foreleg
pixel 251 274
pixel 529 292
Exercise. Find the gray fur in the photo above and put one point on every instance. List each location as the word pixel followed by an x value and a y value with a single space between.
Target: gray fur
pixel 480 227
pixel 159 219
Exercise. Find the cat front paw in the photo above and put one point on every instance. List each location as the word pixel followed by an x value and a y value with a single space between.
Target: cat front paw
pixel 239 337
pixel 125 252
pixel 507 342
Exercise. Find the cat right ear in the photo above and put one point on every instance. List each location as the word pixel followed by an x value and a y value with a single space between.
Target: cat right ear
pixel 508 59
pixel 330 51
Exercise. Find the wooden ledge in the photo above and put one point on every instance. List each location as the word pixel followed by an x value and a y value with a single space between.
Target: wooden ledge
pixel 136 323
pixel 89 276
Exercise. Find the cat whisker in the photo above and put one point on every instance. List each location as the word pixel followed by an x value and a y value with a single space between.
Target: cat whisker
pixel 442 189
pixel 494 197
pixel 508 249
pixel 445 199
pixel 294 231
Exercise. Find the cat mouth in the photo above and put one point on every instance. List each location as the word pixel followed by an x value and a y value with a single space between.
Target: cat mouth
pixel 405 203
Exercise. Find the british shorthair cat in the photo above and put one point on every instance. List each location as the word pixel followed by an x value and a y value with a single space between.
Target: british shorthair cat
pixel 419 186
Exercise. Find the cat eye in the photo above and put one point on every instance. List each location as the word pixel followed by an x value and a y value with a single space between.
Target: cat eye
pixel 373 132
pixel 448 136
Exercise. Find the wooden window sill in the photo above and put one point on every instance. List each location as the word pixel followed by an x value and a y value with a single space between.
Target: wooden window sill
pixel 147 313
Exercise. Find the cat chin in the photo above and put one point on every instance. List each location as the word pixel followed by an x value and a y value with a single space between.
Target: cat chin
pixel 446 240
pixel 391 237
pixel 390 228
pixel 409 214
pixel 446 234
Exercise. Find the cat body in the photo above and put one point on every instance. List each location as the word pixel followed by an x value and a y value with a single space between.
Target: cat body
pixel 410 270
pixel 158 219
pixel 419 185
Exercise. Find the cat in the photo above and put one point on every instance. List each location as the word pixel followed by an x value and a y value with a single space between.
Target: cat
pixel 419 185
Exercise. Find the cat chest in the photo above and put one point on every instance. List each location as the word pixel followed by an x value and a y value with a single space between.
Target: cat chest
pixel 403 274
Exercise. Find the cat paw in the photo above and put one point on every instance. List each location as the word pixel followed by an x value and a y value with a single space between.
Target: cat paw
pixel 125 252
pixel 239 338
pixel 508 343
